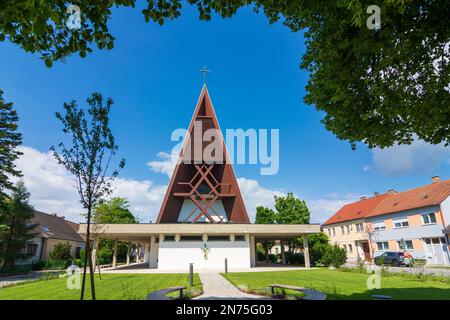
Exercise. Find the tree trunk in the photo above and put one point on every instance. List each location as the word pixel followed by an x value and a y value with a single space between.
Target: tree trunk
pixel 88 259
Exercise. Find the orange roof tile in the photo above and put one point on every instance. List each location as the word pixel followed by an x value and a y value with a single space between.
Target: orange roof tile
pixel 429 195
pixel 356 210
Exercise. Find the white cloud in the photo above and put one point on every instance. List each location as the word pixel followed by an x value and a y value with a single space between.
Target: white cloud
pixel 165 165
pixel 52 191
pixel 418 157
pixel 254 195
pixel 52 188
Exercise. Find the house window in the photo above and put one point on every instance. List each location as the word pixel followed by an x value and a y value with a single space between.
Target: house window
pixel 345 247
pixel 400 223
pixel 329 232
pixel 348 229
pixel 342 230
pixel 383 246
pixel 429 218
pixel 359 227
pixel 218 238
pixel 350 248
pixel 379 226
pixel 169 238
pixel 405 245
pixel 32 249
pixel 334 231
pixel 191 238
pixel 78 252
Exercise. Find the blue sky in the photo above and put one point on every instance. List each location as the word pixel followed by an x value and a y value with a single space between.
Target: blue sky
pixel 152 76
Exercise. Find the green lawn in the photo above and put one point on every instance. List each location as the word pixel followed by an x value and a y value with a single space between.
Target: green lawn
pixel 343 285
pixel 111 287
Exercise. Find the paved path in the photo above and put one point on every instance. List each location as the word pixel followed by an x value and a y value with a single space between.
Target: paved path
pixel 216 287
pixel 32 276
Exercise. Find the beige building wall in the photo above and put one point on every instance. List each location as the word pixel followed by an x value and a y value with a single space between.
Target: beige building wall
pixel 348 236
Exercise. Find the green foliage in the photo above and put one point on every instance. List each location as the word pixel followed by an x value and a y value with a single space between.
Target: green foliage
pixel 314 239
pixel 104 256
pixel 295 258
pixel 334 256
pixel 16 214
pixel 379 87
pixel 291 210
pixel 265 216
pixel 115 210
pixel 52 264
pixel 317 252
pixel 10 139
pixel 261 255
pixel 61 251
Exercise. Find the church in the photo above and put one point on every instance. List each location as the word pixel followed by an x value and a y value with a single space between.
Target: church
pixel 203 219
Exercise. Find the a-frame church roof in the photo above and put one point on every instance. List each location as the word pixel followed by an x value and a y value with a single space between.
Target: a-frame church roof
pixel 203 189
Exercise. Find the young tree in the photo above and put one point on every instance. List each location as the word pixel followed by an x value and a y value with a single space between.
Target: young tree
pixel 10 139
pixel 88 158
pixel 16 216
pixel 61 251
pixel 379 87
pixel 266 216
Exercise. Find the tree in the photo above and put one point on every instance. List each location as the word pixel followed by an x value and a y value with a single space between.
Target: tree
pixel 61 251
pixel 291 210
pixel 16 216
pixel 115 210
pixel 10 139
pixel 379 87
pixel 266 216
pixel 88 159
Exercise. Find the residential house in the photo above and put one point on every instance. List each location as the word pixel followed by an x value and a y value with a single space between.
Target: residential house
pixel 415 220
pixel 52 229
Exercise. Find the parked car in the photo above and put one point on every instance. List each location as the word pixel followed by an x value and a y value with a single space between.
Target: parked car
pixel 391 258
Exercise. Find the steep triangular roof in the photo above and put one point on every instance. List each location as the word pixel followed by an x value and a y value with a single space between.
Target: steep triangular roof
pixel 203 183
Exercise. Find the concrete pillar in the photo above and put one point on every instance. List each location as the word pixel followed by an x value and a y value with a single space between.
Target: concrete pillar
pixel 177 238
pixel 205 237
pixel 114 260
pixel 147 253
pixel 283 258
pixel 252 244
pixel 306 251
pixel 128 252
pixel 154 252
pixel 232 237
pixel 94 252
pixel 138 252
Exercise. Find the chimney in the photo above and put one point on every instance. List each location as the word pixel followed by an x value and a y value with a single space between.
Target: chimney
pixel 435 179
pixel 54 214
pixel 363 198
pixel 391 191
pixel 375 194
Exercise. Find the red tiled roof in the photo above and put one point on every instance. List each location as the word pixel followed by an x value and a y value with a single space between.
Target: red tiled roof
pixel 356 210
pixel 429 195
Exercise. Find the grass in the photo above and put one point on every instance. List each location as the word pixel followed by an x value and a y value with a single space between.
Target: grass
pixel 344 285
pixel 111 287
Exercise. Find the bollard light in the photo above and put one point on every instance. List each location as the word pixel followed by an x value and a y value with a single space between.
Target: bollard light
pixel 191 274
pixel 226 265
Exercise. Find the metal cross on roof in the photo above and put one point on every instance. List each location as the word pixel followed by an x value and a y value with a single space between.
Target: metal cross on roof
pixel 205 71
